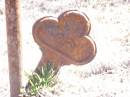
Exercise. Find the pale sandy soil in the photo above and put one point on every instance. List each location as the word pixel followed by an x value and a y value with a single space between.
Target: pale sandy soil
pixel 108 75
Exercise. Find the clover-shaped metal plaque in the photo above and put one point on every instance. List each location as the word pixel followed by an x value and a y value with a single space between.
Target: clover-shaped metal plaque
pixel 65 40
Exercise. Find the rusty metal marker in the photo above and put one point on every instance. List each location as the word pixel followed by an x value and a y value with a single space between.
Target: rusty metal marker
pixel 64 40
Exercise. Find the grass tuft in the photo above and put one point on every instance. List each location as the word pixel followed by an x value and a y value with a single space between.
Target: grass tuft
pixel 45 79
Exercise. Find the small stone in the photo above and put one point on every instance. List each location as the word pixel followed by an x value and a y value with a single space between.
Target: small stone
pixel 1 12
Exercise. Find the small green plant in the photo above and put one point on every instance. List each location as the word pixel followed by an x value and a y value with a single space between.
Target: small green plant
pixel 46 78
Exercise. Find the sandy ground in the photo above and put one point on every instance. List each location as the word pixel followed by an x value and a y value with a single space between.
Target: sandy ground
pixel 108 75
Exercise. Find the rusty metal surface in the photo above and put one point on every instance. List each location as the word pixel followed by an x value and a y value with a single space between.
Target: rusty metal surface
pixel 13 42
pixel 65 40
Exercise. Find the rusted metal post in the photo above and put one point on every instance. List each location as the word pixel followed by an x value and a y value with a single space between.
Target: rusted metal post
pixel 13 42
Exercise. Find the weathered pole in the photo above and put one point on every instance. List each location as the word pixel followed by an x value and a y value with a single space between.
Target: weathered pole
pixel 13 42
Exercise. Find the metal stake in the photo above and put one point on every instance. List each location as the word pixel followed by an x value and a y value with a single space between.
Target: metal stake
pixel 13 42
